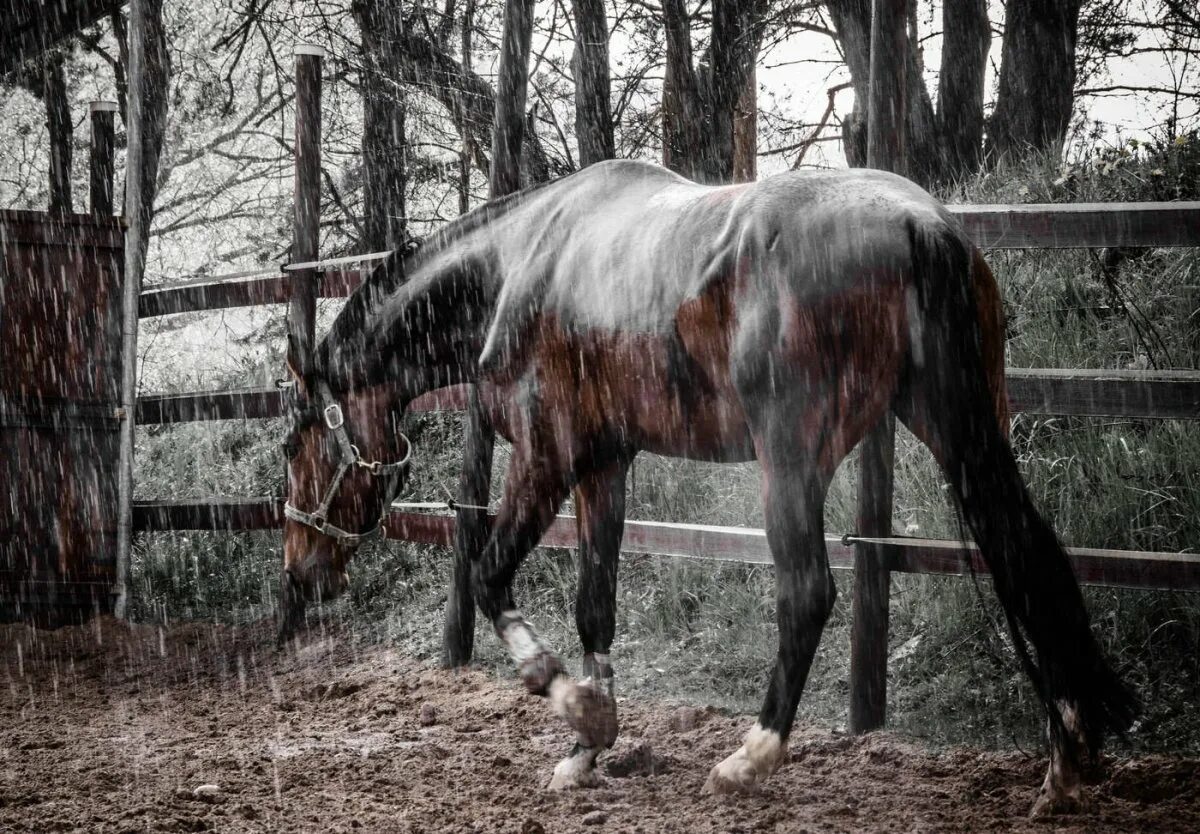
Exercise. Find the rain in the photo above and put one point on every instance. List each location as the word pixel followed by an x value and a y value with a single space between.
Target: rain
pixel 645 415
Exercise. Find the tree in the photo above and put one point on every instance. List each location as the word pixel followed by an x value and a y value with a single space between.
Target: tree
pixel 425 62
pixel 384 147
pixel 589 65
pixel 49 83
pixel 852 20
pixel 699 99
pixel 1037 77
pixel 156 77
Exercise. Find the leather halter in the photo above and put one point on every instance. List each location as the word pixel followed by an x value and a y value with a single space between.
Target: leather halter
pixel 350 457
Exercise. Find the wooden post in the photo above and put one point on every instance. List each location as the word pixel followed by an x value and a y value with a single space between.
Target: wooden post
pixel 306 204
pixel 475 483
pixel 872 577
pixel 134 267
pixel 101 160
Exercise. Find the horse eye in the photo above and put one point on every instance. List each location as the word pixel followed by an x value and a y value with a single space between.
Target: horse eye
pixel 291 448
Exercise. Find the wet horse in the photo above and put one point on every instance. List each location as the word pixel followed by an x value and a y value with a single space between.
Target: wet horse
pixel 623 309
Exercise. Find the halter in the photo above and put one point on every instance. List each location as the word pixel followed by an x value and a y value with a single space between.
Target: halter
pixel 335 421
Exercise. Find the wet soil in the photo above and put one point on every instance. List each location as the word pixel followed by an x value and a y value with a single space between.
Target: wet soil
pixel 109 728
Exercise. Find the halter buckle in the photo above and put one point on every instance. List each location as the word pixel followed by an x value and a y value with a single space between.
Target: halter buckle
pixel 334 417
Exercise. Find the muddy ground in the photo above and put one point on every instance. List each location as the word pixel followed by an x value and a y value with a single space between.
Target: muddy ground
pixel 107 728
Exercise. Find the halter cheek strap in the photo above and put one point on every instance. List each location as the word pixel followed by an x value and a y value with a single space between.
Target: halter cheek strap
pixel 349 457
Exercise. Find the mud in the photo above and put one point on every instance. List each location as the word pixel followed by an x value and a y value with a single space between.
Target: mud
pixel 106 728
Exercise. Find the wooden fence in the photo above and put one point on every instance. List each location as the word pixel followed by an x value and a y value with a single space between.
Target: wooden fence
pixel 1085 393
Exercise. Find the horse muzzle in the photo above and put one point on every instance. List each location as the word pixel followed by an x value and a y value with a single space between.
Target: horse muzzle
pixel 297 589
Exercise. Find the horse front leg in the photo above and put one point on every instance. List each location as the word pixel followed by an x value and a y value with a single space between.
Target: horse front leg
pixel 600 519
pixel 534 489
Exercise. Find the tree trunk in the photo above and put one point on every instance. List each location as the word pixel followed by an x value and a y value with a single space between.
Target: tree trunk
pixel 699 102
pixel 58 125
pixel 1037 78
pixel 383 143
pixel 966 39
pixel 745 132
pixel 512 86
pixel 156 79
pixel 465 153
pixel 852 20
pixel 589 65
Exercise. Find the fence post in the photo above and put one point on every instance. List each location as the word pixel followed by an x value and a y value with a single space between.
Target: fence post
pixel 135 233
pixel 872 576
pixel 101 159
pixel 306 204
pixel 479 438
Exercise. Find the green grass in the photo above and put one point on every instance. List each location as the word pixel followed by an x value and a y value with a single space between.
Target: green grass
pixel 704 632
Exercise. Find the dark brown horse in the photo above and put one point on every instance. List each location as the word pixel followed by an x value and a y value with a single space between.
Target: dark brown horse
pixel 624 309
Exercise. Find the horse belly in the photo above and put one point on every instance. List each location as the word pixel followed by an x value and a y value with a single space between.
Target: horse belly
pixel 630 388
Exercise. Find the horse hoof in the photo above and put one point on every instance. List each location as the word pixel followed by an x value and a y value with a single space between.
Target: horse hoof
pixel 735 774
pixel 590 713
pixel 1055 804
pixel 574 772
pixel 747 768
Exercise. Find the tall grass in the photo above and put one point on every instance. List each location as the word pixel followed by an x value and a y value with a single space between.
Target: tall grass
pixel 704 632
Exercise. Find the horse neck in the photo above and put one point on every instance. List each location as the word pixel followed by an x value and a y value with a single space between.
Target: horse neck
pixel 426 333
pixel 423 319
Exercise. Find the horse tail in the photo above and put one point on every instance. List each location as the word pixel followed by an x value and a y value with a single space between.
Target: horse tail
pixel 948 399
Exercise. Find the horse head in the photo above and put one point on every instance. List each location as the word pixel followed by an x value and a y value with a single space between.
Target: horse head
pixel 346 463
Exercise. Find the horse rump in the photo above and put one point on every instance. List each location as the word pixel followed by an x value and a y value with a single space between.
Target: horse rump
pixel 947 399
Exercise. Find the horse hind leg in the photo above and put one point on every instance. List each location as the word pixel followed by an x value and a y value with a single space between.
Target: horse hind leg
pixel 801 437
pixel 600 516
pixel 949 401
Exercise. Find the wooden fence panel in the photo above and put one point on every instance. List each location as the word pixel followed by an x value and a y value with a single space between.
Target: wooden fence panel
pixel 745 545
pixel 1080 393
pixel 1081 225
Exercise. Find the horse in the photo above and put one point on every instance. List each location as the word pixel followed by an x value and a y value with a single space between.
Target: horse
pixel 623 308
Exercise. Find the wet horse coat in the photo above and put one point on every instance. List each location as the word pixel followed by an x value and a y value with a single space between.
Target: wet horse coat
pixel 625 309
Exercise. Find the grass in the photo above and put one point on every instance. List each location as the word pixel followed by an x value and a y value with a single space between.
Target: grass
pixel 704 632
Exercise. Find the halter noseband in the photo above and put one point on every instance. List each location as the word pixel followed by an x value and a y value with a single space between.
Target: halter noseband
pixel 335 421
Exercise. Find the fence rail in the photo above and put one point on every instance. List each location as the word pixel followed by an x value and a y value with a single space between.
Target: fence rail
pixel 746 545
pixel 1067 226
pixel 1081 393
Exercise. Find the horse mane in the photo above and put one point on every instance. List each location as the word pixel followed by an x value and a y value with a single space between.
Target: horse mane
pixel 393 272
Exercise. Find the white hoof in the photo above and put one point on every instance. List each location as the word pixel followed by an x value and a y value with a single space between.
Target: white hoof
pixel 578 771
pixel 588 710
pixel 744 771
